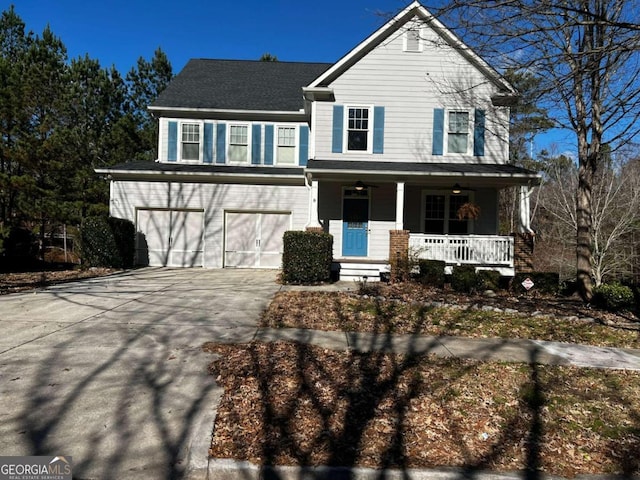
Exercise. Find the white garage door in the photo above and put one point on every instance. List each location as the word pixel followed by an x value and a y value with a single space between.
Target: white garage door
pixel 254 240
pixel 172 238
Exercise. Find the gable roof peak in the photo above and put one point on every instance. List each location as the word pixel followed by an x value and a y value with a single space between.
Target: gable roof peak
pixel 406 15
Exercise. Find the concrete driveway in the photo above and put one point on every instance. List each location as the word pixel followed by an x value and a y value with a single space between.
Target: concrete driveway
pixel 110 371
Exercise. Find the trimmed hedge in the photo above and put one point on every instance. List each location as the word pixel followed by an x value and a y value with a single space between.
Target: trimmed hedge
pixel 488 280
pixel 307 257
pixel 108 242
pixel 464 279
pixel 543 282
pixel 613 297
pixel 431 272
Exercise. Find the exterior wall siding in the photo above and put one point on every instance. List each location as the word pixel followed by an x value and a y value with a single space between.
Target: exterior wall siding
pixel 214 199
pixel 436 77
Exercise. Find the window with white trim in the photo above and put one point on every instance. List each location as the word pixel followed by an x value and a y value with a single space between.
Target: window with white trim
pixel 458 132
pixel 190 142
pixel 358 129
pixel 286 146
pixel 239 143
pixel 440 213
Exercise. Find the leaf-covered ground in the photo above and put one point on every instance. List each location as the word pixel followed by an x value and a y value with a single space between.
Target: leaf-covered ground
pixel 19 282
pixel 419 310
pixel 293 404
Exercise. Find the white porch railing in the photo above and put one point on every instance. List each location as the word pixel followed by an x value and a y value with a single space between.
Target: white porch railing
pixel 464 249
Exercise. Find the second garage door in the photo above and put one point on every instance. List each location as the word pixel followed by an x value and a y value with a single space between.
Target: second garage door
pixel 254 239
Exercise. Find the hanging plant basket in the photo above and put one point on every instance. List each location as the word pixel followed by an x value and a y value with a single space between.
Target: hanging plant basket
pixel 468 211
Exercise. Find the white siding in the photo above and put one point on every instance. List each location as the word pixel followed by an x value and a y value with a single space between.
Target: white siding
pixel 214 199
pixel 410 85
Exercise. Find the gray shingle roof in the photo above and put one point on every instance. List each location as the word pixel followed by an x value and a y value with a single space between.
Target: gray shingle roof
pixel 240 85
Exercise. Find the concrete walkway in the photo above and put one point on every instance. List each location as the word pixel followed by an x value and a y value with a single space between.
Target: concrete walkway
pixel 487 349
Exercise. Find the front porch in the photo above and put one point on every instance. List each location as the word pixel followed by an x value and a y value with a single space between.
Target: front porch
pixel 380 212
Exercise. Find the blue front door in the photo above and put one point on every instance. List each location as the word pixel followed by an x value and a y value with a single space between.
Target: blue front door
pixel 355 223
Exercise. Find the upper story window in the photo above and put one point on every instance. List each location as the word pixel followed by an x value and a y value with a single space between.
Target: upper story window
pixel 458 132
pixel 286 146
pixel 238 143
pixel 190 144
pixel 358 129
pixel 441 213
pixel 411 40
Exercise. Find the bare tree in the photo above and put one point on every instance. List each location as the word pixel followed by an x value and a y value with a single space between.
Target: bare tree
pixel 586 54
pixel 615 212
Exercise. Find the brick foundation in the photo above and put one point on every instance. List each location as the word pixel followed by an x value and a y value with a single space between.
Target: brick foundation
pixel 523 252
pixel 314 229
pixel 399 254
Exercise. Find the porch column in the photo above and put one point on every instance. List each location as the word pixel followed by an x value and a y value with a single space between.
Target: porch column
pixel 525 239
pixel 399 255
pixel 399 205
pixel 314 222
pixel 525 209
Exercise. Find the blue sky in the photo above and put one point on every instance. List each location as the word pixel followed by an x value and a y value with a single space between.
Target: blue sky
pixel 118 32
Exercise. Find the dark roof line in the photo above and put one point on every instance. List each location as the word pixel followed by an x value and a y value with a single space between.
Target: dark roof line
pixel 240 85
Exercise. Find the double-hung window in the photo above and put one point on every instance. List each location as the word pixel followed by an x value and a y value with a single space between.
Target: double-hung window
pixel 358 129
pixel 286 146
pixel 441 214
pixel 458 132
pixel 239 143
pixel 190 142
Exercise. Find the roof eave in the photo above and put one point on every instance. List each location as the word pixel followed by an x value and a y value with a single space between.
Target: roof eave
pixel 224 111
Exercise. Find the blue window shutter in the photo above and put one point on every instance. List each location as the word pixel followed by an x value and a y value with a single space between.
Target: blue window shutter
pixel 338 120
pixel 256 136
pixel 268 144
pixel 478 134
pixel 221 143
pixel 438 131
pixel 378 129
pixel 208 143
pixel 172 153
pixel 304 145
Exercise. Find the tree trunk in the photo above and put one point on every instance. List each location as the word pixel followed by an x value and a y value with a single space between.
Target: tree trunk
pixel 584 234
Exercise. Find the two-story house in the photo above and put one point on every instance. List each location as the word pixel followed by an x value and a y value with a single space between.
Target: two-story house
pixel 402 142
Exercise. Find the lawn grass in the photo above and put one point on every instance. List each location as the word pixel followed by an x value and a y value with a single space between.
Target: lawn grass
pixel 347 312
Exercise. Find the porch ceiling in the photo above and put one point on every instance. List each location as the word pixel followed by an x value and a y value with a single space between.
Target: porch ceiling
pixel 487 175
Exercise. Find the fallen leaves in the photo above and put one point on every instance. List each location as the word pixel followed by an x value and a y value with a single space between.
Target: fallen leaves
pixel 294 404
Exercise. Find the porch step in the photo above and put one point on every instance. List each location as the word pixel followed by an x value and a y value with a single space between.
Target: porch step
pixel 359 271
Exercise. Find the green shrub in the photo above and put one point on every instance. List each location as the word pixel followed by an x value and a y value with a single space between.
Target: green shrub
pixel 431 272
pixel 307 257
pixel 613 297
pixel 464 279
pixel 488 280
pixel 107 242
pixel 543 282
